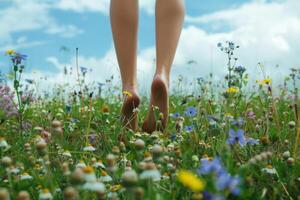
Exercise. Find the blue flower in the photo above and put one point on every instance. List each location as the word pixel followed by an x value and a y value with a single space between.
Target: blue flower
pixel 239 122
pixel 210 166
pixel 236 137
pixel 175 115
pixel 209 196
pixel 226 181
pixel 190 111
pixel 17 58
pixel 189 128
pixel 252 141
pixel 83 70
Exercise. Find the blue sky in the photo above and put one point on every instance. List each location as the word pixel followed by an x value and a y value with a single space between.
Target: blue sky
pixel 96 38
pixel 39 28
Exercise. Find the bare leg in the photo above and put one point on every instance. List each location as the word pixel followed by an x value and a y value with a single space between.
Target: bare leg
pixel 169 21
pixel 124 24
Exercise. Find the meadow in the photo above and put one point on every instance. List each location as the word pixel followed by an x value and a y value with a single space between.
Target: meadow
pixel 223 141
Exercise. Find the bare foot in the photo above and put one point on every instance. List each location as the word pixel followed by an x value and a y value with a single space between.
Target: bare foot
pixel 130 118
pixel 159 99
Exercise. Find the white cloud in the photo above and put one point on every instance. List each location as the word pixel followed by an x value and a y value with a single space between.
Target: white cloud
pixel 268 32
pixel 83 5
pixel 30 15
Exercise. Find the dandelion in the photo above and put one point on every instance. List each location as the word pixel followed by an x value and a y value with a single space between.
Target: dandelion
pixel 127 93
pixel 10 52
pixel 232 90
pixel 190 180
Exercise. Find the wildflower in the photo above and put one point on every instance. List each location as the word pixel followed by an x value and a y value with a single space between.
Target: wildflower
pixel 190 180
pixel 269 169
pixel 150 173
pixel 70 193
pixel 4 194
pixel 6 161
pixel 99 164
pixel 17 58
pixel 236 137
pixel 89 174
pixel 175 115
pixel 45 195
pixel 232 90
pixel 89 148
pixel 81 165
pixel 94 186
pixel 252 141
pixel 189 129
pixel 290 161
pixel 267 81
pixel 190 111
pixel 127 93
pixel 25 176
pixel 3 144
pixel 105 177
pixel 226 181
pixel 23 195
pixel 139 144
pixel 239 122
pixel 251 115
pixel 10 52
pixel 210 166
pixel 129 178
pixel 286 154
pixel 67 154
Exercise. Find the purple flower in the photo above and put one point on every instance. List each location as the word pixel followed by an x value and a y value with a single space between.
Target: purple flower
pixel 209 196
pixel 226 181
pixel 210 166
pixel 251 115
pixel 236 137
pixel 190 111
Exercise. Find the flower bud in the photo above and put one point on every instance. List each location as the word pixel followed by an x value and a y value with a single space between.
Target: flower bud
pixel 139 144
pixel 23 195
pixel 70 193
pixel 129 178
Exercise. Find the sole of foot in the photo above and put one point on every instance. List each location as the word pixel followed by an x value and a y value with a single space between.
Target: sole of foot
pixel 130 118
pixel 159 99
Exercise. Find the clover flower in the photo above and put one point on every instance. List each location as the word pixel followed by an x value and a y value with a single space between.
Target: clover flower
pixel 190 180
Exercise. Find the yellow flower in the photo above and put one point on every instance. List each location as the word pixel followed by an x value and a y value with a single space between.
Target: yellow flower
pixel 127 93
pixel 232 90
pixel 267 81
pixel 190 180
pixel 10 52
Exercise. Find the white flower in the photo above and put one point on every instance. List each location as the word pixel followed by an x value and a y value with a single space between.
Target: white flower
pixel 25 176
pixel 89 148
pixel 45 195
pixel 94 186
pixel 3 144
pixel 105 178
pixel 67 154
pixel 153 174
pixel 89 174
pixel 269 169
pixel 14 170
pixel 99 164
pixel 81 165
